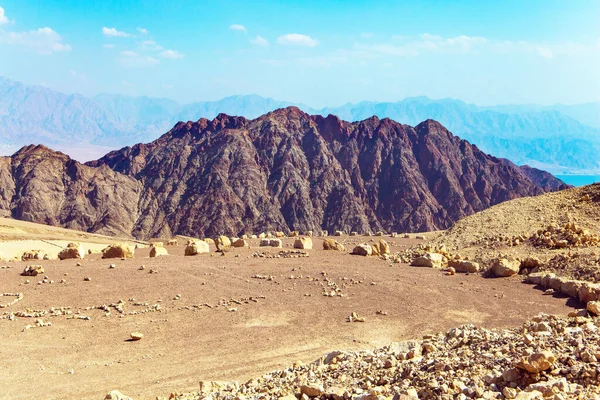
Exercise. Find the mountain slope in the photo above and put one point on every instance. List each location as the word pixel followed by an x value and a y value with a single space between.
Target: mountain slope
pixel 288 170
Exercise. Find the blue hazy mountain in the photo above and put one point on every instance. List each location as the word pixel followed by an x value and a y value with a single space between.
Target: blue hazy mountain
pixel 557 138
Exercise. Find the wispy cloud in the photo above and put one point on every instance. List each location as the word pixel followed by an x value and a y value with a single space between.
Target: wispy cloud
pixel 297 39
pixel 143 31
pixel 171 54
pixel 131 59
pixel 42 40
pixel 238 27
pixel 3 17
pixel 259 41
pixel 113 32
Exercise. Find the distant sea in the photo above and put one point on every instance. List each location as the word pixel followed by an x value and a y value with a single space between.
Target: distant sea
pixel 579 180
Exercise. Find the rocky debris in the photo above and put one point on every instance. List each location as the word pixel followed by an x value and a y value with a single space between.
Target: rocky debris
pixel 135 336
pixel 502 267
pixel 172 242
pixel 362 250
pixel 33 270
pixel 560 237
pixel 465 362
pixel 304 243
pixel 355 318
pixel 157 250
pixel 330 244
pixel 17 297
pixel 431 260
pixel 118 250
pixel 464 266
pixel 73 250
pixel 281 254
pixel 240 243
pixel 116 395
pixel 223 243
pixel 582 290
pixel 194 247
pixel 593 307
pixel 32 255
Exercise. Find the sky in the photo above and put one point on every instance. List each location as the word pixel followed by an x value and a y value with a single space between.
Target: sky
pixel 320 53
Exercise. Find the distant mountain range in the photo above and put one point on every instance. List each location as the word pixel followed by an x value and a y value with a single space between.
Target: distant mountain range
pixel 556 138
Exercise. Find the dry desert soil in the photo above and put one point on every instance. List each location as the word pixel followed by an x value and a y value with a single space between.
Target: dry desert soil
pixel 230 317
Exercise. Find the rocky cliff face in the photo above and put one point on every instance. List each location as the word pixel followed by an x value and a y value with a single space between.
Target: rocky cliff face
pixel 287 170
pixel 41 185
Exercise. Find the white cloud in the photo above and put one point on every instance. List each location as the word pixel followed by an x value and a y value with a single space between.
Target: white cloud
pixel 3 17
pixel 297 39
pixel 143 31
pixel 171 54
pixel 42 40
pixel 259 41
pixel 544 52
pixel 113 32
pixel 151 45
pixel 366 35
pixel 108 45
pixel 238 27
pixel 131 59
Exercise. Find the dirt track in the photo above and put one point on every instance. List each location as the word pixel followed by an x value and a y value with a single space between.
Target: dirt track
pixel 86 358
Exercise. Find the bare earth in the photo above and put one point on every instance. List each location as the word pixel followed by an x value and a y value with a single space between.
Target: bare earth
pixel 221 327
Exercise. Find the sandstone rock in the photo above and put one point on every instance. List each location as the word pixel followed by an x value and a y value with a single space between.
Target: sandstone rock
pixel 534 395
pixel 33 270
pixel 304 243
pixel 223 243
pixel 536 362
pixel 381 248
pixel 32 255
pixel 593 307
pixel 362 250
pixel 276 243
pixel 338 233
pixel 240 243
pixel 118 250
pixel 196 247
pixel 502 267
pixel 431 260
pixel 172 242
pixel 135 336
pixel 464 266
pixel 73 250
pixel 330 244
pixel 209 241
pixel 116 395
pixel 312 390
pixel 157 250
pixel 589 292
pixel 279 234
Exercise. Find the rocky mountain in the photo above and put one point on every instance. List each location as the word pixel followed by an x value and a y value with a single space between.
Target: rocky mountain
pixel 287 170
pixel 40 185
pixel 554 138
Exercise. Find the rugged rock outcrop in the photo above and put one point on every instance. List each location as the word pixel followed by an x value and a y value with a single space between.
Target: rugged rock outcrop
pixel 543 179
pixel 284 171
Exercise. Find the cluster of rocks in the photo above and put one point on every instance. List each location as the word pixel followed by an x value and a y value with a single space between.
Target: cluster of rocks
pixel 17 297
pixel 281 254
pixel 546 358
pixel 498 240
pixel 560 237
pixel 382 248
pixel 578 266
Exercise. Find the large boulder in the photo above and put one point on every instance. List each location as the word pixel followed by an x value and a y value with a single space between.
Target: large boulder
pixel 196 247
pixel 464 265
pixel 223 243
pixel 118 250
pixel 304 243
pixel 240 243
pixel 536 362
pixel 362 250
pixel 330 244
pixel 158 250
pixel 503 267
pixel 271 243
pixel 73 250
pixel 32 255
pixel 381 248
pixel 430 260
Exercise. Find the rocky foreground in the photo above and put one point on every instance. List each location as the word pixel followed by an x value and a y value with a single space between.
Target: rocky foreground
pixel 546 358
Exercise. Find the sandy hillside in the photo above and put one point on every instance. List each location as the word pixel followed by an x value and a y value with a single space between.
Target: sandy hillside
pixel 16 237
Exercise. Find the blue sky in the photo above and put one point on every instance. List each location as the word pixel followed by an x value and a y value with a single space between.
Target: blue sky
pixel 322 53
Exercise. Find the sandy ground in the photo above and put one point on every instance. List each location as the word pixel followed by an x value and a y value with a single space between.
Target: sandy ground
pixel 194 338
